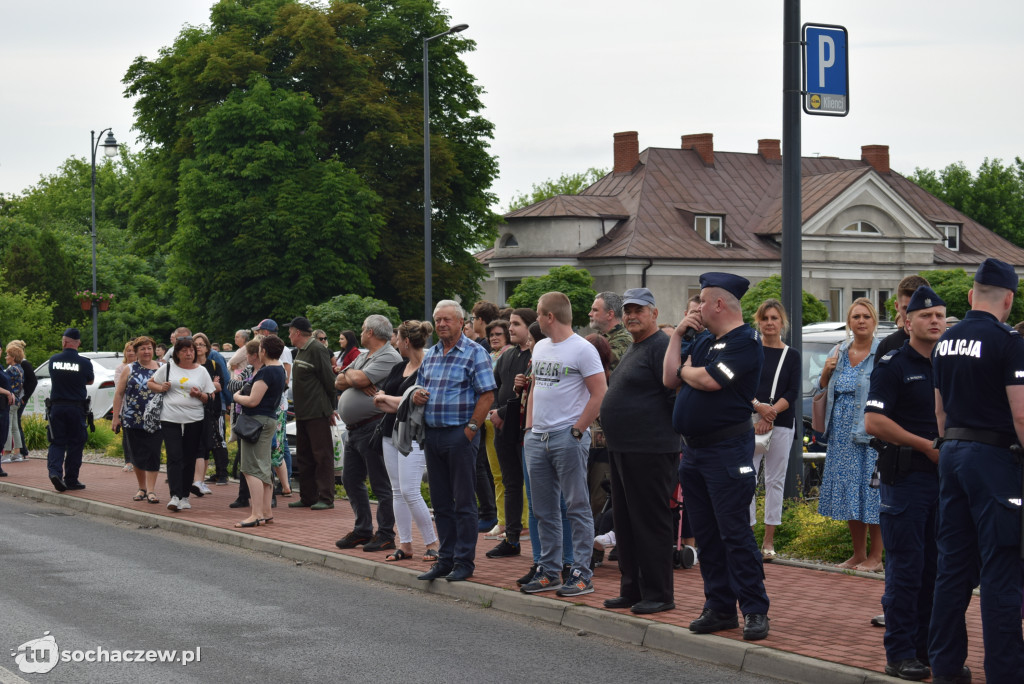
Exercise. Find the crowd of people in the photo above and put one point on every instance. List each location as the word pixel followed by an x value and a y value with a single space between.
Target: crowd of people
pixel 643 437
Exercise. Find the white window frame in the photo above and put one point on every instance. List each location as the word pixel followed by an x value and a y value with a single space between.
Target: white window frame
pixel 704 224
pixel 862 228
pixel 950 230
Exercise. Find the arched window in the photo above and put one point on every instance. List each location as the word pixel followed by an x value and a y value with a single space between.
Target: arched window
pixel 861 228
pixel 508 240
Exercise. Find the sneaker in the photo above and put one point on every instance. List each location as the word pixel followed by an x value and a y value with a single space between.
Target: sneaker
pixel 211 479
pixel 484 525
pixel 222 481
pixel 18 458
pixel 197 488
pixel 542 583
pixel 174 504
pixel 378 543
pixel 183 503
pixel 204 489
pixel 605 541
pixel 528 577
pixel 577 585
pixel 689 556
pixel 566 572
pixel 6 458
pixel 504 550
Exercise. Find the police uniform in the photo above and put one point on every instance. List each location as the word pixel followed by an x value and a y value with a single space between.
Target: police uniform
pixel 902 390
pixel 979 491
pixel 69 374
pixel 717 472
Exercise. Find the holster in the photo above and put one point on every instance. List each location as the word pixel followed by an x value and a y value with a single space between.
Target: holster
pixel 892 460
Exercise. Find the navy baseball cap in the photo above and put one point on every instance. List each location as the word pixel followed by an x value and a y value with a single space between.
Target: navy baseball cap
pixel 997 274
pixel 924 297
pixel 638 295
pixel 73 334
pixel 268 325
pixel 733 284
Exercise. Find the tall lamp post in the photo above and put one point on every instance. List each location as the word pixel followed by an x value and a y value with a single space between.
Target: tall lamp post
pixel 110 150
pixel 428 252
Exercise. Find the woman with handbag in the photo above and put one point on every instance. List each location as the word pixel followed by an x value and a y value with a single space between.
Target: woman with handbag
pixel 260 401
pixel 846 492
pixel 131 396
pixel 187 388
pixel 776 395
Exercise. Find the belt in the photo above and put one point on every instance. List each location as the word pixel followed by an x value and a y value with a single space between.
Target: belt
pixel 356 426
pixel 980 436
pixel 711 438
pixel 82 403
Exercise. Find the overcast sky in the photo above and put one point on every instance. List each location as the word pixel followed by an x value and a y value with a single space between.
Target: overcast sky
pixel 937 81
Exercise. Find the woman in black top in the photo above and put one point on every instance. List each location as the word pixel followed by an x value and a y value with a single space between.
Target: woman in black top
pixel 406 472
pixel 775 410
pixel 30 387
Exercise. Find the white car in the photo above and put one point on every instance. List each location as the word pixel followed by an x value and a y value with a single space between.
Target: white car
pixel 101 391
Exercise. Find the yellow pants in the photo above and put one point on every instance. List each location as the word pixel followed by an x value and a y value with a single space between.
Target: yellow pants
pixel 499 485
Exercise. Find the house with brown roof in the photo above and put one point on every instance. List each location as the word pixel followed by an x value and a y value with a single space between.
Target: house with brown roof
pixel 664 216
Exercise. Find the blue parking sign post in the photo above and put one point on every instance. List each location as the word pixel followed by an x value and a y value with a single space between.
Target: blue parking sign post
pixel 826 76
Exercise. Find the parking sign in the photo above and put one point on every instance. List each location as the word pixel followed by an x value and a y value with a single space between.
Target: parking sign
pixel 826 70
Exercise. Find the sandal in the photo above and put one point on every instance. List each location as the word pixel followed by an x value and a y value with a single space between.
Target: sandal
pixel 397 555
pixel 140 495
pixel 151 497
pixel 430 556
pixel 768 555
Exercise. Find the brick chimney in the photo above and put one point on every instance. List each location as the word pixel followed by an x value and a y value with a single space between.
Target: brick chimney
pixel 702 144
pixel 877 156
pixel 626 151
pixel 770 149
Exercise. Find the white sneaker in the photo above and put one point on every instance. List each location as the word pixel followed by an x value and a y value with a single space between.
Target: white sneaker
pixel 174 504
pixel 605 541
pixel 183 504
pixel 204 488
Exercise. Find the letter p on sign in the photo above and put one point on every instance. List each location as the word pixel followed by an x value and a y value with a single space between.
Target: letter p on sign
pixel 825 62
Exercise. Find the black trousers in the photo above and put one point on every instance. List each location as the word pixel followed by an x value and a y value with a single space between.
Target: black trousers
pixel 486 508
pixel 642 486
pixel 510 460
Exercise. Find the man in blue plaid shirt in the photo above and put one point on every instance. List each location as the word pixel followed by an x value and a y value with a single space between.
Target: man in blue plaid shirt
pixel 459 386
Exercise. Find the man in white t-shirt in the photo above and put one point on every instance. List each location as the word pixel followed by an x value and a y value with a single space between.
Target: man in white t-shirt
pixel 568 386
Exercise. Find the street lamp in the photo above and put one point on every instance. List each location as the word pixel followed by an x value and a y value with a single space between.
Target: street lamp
pixel 428 314
pixel 110 150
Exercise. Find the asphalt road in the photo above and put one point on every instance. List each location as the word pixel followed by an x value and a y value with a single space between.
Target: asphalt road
pixel 98 585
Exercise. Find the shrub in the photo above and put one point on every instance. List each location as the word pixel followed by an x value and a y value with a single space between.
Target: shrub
pixel 35 431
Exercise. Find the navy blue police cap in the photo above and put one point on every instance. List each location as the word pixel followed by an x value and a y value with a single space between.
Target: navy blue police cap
pixel 733 284
pixel 73 334
pixel 924 297
pixel 997 274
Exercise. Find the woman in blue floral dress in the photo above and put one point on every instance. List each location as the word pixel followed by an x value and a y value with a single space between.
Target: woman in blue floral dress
pixel 846 492
pixel 130 398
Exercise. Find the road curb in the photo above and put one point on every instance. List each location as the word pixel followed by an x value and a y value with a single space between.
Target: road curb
pixel 745 656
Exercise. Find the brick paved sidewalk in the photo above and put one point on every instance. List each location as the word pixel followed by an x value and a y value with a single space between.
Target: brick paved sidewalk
pixel 814 613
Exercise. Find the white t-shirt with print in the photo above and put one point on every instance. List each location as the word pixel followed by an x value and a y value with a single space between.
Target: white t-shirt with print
pixel 179 407
pixel 559 392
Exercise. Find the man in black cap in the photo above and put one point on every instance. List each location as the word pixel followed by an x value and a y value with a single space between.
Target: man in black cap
pixel 900 411
pixel 712 413
pixel 69 374
pixel 979 406
pixel 643 451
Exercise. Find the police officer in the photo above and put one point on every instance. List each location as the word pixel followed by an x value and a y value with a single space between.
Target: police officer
pixel 900 411
pixel 69 374
pixel 979 405
pixel 712 413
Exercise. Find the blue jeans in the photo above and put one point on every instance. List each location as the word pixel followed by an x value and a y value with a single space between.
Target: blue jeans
pixel 451 472
pixel 557 463
pixel 531 523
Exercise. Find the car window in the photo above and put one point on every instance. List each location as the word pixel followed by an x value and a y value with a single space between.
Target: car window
pixel 43 371
pixel 109 362
pixel 814 357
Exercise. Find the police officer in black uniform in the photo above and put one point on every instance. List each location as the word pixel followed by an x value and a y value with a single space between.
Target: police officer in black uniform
pixel 712 412
pixel 979 405
pixel 900 411
pixel 69 374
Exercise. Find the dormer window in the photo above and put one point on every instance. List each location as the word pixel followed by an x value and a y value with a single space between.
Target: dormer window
pixel 951 236
pixel 709 228
pixel 861 228
pixel 508 240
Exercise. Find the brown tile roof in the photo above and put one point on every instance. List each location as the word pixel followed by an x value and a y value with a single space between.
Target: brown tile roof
pixel 656 203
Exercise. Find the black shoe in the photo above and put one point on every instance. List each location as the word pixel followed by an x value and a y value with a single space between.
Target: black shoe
pixel 299 504
pixel 378 543
pixel 74 484
pixel 963 678
pixel 58 483
pixel 436 571
pixel 566 573
pixel 351 541
pixel 461 573
pixel 195 490
pixel 878 620
pixel 239 503
pixel 486 525
pixel 710 621
pixel 911 668
pixel 273 502
pixel 222 480
pixel 528 577
pixel 3 473
pixel 619 602
pixel 278 489
pixel 504 550
pixel 755 626
pixel 648 607
pixel 211 480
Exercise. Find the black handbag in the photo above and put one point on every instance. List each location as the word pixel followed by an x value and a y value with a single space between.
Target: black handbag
pixel 248 428
pixel 377 438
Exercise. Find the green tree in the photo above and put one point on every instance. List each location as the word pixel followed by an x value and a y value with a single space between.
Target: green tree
pixel 576 283
pixel 347 312
pixel 347 76
pixel 28 317
pixel 771 287
pixel 953 285
pixel 566 184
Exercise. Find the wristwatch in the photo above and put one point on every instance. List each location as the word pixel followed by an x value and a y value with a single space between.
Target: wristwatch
pixel 576 432
pixel 473 427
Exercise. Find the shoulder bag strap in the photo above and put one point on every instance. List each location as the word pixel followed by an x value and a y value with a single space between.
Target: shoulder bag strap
pixel 778 370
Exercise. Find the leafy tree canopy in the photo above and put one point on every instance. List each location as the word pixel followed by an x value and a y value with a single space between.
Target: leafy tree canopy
pixel 576 283
pixel 771 288
pixel 566 184
pixel 347 312
pixel 28 317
